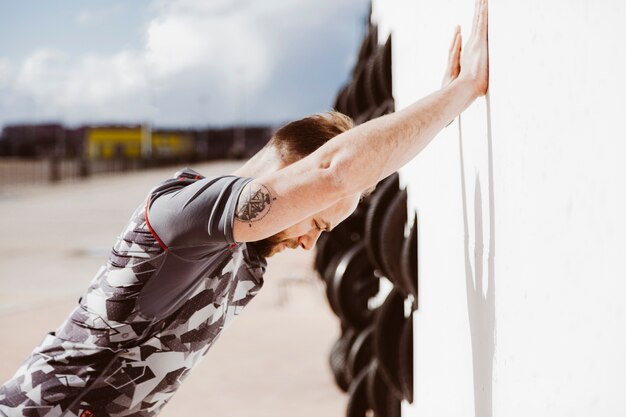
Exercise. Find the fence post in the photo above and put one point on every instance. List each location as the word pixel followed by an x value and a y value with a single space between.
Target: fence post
pixel 83 167
pixel 55 168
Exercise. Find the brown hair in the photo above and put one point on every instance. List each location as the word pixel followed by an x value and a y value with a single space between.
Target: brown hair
pixel 299 138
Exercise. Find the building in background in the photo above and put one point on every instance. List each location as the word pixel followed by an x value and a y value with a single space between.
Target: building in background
pixel 52 152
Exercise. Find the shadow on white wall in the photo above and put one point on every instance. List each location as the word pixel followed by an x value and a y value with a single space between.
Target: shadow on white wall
pixel 480 300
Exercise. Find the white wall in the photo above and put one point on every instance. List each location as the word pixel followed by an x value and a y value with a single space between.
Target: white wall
pixel 522 293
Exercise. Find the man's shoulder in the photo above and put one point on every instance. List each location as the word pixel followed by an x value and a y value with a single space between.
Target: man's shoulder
pixel 181 178
pixel 193 210
pixel 188 176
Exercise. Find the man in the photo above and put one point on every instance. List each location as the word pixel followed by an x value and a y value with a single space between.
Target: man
pixel 193 255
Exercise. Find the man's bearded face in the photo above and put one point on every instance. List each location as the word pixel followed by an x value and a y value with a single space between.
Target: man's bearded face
pixel 274 244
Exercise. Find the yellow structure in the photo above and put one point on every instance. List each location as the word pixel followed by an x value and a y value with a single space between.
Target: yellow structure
pixel 171 144
pixel 112 142
pixel 135 142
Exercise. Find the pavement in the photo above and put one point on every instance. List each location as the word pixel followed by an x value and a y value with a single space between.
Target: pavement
pixel 272 361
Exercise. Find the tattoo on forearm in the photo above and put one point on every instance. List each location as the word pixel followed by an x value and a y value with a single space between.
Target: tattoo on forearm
pixel 254 203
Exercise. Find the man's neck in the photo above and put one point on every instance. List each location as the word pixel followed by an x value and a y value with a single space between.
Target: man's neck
pixel 265 161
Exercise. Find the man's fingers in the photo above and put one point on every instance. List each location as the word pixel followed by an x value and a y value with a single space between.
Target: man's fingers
pixel 454 61
pixel 454 56
pixel 476 13
pixel 457 32
pixel 455 53
pixel 479 24
pixel 483 17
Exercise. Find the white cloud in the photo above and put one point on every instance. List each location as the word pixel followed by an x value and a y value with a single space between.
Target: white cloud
pixel 224 42
pixel 91 85
pixel 181 42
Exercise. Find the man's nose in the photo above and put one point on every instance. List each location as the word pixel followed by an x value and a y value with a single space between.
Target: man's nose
pixel 308 241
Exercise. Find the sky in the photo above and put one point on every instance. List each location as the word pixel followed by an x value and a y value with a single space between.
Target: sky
pixel 177 63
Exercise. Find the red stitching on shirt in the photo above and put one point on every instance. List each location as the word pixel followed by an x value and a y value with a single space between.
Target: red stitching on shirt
pixel 152 232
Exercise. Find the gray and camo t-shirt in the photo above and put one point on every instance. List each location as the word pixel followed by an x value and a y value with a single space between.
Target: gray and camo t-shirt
pixel 173 281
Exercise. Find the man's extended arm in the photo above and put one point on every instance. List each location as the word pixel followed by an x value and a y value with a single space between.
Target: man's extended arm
pixel 370 152
pixel 360 157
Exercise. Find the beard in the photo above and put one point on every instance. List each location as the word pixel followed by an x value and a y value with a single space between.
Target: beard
pixel 273 244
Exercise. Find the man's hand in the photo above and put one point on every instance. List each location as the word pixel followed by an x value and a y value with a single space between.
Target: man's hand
pixel 475 57
pixel 454 58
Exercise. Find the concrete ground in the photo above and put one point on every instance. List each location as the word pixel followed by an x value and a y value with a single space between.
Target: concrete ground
pixel 272 361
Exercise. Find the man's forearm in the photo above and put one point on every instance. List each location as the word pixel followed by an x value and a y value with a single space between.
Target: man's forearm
pixel 370 152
